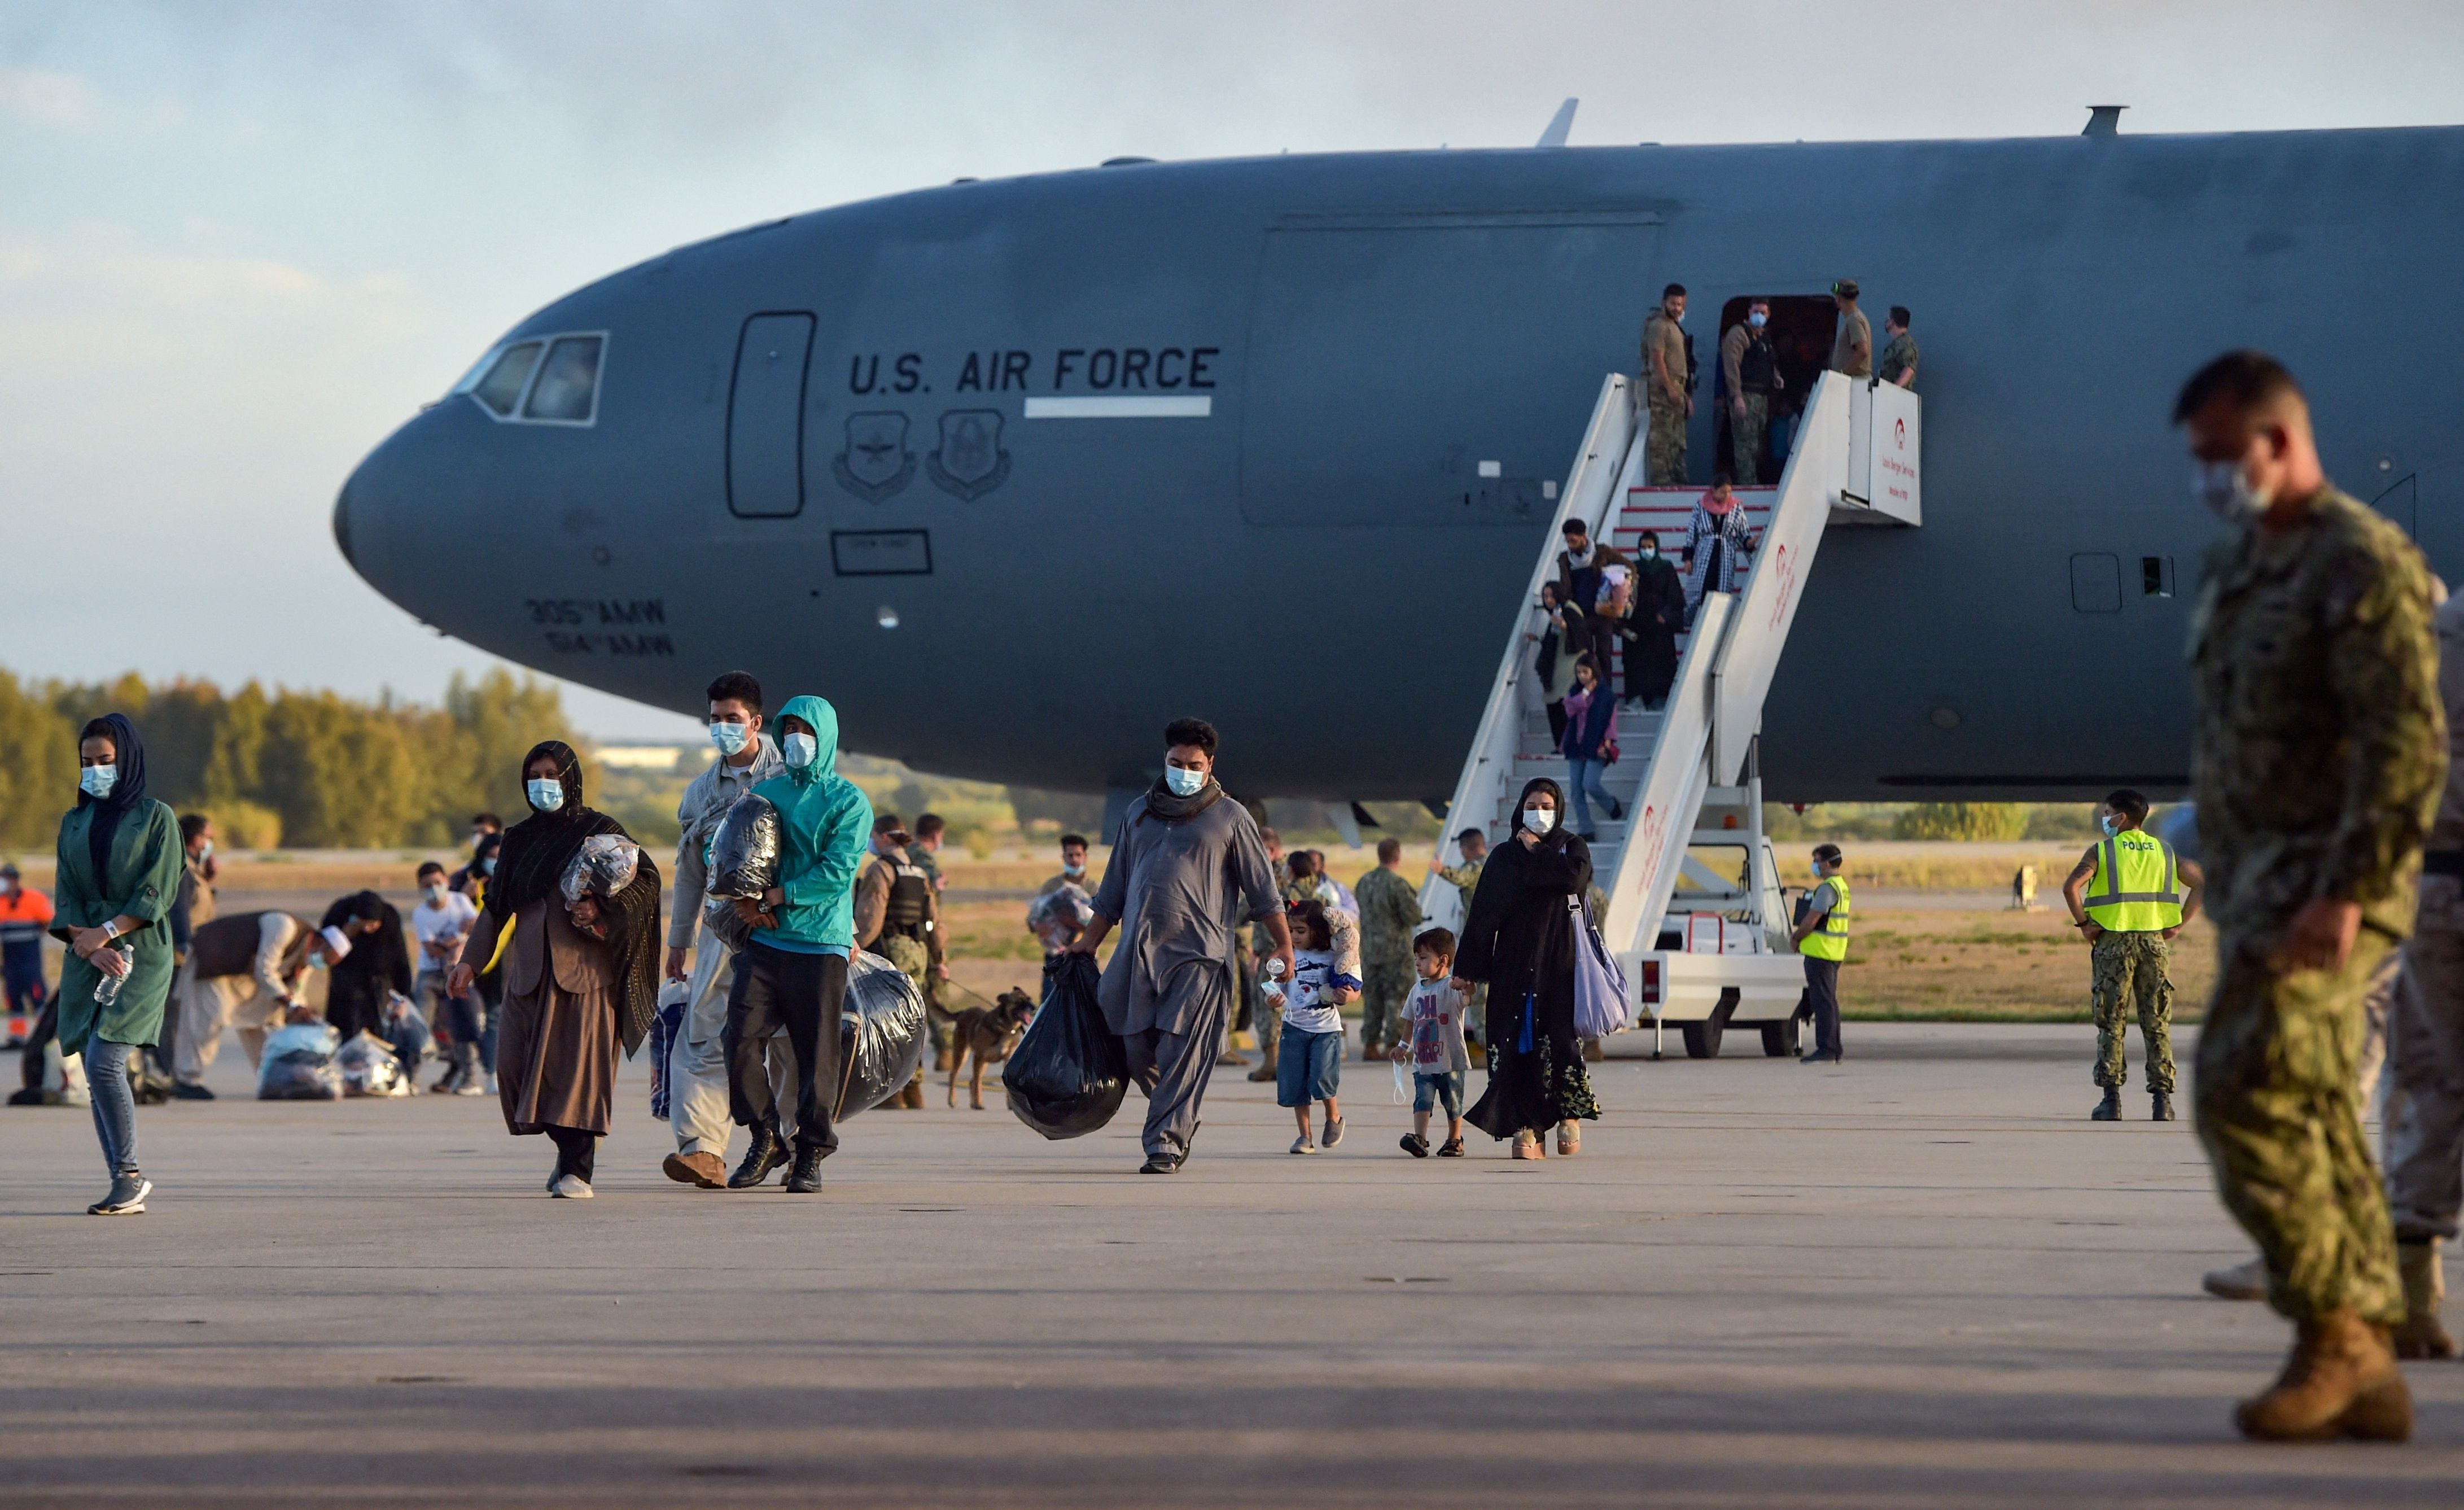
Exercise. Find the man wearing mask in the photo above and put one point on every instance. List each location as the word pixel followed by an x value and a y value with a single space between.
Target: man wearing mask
pixel 697 1080
pixel 791 979
pixel 1821 936
pixel 2122 900
pixel 244 970
pixel 1852 348
pixel 1749 371
pixel 1582 581
pixel 487 830
pixel 1668 391
pixel 439 923
pixel 1074 867
pixel 897 917
pixel 1187 869
pixel 2319 750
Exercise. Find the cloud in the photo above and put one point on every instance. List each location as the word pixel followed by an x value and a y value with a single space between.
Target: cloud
pixel 43 97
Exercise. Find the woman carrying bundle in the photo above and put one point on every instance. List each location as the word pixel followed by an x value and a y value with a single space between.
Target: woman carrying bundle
pixel 580 978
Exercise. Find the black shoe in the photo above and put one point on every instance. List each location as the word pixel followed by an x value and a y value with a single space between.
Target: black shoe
pixel 2162 1110
pixel 1819 1056
pixel 182 1090
pixel 1451 1148
pixel 1161 1163
pixel 2109 1109
pixel 805 1178
pixel 127 1197
pixel 1616 811
pixel 1415 1145
pixel 767 1153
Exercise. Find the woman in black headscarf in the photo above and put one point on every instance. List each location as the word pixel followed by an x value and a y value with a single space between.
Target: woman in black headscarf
pixel 120 863
pixel 579 980
pixel 358 985
pixel 1520 937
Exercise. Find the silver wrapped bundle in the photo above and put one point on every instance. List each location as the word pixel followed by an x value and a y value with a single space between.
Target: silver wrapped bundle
pixel 602 867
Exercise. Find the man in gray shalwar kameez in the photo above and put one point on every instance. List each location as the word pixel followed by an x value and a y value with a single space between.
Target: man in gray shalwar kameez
pixel 1188 868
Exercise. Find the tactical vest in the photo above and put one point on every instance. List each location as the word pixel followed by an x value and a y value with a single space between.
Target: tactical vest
pixel 2133 891
pixel 911 893
pixel 1829 939
pixel 1757 366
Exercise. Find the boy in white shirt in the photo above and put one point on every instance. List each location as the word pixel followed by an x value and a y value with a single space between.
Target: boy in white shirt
pixel 1326 975
pixel 1433 1046
pixel 440 923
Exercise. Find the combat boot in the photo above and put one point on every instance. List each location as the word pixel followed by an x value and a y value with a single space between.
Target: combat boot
pixel 765 1155
pixel 2340 1380
pixel 2160 1105
pixel 2109 1109
pixel 2420 1335
pixel 912 1097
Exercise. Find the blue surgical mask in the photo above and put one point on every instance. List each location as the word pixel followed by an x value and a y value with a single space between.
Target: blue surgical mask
pixel 2106 823
pixel 1182 781
pixel 799 750
pixel 2226 491
pixel 488 867
pixel 1758 319
pixel 1068 869
pixel 98 780
pixel 730 737
pixel 546 793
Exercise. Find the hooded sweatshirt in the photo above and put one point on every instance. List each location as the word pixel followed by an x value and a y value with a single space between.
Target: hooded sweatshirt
pixel 825 822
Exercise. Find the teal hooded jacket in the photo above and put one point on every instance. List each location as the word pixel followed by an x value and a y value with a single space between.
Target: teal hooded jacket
pixel 825 825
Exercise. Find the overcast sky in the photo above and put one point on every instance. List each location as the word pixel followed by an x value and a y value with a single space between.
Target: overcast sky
pixel 240 243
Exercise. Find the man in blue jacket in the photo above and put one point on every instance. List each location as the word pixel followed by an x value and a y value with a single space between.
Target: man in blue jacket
pixel 792 977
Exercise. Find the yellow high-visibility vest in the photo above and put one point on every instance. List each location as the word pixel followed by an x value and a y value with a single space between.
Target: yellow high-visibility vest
pixel 2134 890
pixel 1829 939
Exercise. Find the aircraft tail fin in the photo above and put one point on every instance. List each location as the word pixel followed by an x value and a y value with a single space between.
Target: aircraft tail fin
pixel 1559 124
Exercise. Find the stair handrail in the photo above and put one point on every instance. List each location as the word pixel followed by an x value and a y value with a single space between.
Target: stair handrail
pixel 1590 494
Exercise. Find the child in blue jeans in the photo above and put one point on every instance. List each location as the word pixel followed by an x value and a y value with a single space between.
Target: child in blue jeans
pixel 1308 1056
pixel 1433 1045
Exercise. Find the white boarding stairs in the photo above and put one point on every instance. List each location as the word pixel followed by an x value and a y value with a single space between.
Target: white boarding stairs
pixel 1694 911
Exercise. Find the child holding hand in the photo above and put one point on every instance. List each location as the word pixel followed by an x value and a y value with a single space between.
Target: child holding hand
pixel 1434 1045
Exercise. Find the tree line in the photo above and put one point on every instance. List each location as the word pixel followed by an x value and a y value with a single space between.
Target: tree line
pixel 308 769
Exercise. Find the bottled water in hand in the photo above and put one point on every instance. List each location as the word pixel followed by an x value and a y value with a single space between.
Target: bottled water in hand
pixel 108 992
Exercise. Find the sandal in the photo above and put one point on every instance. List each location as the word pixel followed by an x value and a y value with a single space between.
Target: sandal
pixel 1570 1139
pixel 1527 1146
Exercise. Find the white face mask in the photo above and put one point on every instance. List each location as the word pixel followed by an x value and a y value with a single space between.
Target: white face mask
pixel 1182 781
pixel 1539 819
pixel 799 750
pixel 436 893
pixel 2226 491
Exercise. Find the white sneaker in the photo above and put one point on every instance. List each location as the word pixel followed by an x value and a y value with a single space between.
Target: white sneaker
pixel 570 1188
pixel 1303 1145
pixel 466 1089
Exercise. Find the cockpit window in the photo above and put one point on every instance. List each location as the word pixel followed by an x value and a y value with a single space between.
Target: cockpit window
pixel 502 387
pixel 567 388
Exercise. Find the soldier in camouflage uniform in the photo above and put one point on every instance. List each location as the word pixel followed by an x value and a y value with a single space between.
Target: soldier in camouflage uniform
pixel 1750 373
pixel 897 916
pixel 1464 878
pixel 2130 935
pixel 2320 749
pixel 1667 391
pixel 1390 914
pixel 1265 1018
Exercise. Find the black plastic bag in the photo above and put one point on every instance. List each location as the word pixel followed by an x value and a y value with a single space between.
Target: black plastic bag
pixel 880 1034
pixel 1068 1076
pixel 745 852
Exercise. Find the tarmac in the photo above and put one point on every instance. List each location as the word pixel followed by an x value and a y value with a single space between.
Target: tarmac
pixel 1919 1279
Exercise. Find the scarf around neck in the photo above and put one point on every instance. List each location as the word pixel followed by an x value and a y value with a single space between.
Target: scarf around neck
pixel 1164 804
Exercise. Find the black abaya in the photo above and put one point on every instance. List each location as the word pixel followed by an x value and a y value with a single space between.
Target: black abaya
pixel 1519 937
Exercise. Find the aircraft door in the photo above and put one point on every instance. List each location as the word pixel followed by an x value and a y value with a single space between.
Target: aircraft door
pixel 765 417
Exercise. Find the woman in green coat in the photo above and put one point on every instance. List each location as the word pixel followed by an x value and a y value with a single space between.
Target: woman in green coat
pixel 119 870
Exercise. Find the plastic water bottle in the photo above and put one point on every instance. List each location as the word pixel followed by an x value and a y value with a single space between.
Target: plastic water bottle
pixel 1274 987
pixel 108 992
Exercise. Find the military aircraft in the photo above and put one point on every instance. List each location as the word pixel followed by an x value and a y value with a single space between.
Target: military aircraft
pixel 1014 471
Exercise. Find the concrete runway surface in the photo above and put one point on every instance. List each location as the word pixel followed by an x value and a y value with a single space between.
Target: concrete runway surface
pixel 1922 1278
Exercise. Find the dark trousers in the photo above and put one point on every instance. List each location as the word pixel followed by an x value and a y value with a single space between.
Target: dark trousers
pixel 778 991
pixel 1604 640
pixel 576 1152
pixel 1821 1002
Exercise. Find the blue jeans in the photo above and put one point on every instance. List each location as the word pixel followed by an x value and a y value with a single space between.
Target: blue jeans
pixel 115 1110
pixel 1309 1067
pixel 1429 1090
pixel 1588 778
